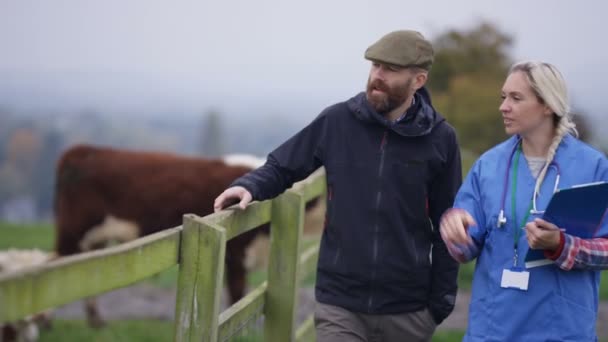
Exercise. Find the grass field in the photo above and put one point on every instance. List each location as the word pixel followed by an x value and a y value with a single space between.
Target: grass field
pixel 26 236
pixel 153 331
pixel 127 330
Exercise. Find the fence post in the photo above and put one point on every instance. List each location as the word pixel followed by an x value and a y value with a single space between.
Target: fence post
pixel 287 220
pixel 199 286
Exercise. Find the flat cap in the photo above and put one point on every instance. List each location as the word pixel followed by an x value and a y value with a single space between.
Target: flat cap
pixel 405 48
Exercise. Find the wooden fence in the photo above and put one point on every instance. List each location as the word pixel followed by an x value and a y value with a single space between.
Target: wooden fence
pixel 198 246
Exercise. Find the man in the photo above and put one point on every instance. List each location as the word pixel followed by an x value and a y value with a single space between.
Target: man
pixel 393 167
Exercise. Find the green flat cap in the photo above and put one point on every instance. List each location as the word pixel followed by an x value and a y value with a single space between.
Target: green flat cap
pixel 404 48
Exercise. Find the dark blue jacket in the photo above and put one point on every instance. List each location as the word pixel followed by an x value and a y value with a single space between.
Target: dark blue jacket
pixel 388 184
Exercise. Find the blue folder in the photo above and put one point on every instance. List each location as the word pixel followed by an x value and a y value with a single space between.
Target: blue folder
pixel 579 210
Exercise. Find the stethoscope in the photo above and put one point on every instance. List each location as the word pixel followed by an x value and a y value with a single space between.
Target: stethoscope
pixel 502 219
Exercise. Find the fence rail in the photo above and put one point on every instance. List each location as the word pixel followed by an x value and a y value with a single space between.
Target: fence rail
pixel 71 278
pixel 199 248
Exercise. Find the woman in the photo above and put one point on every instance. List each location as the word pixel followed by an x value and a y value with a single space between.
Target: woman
pixel 496 223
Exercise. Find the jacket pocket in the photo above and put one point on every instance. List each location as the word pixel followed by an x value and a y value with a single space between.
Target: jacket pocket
pixel 571 321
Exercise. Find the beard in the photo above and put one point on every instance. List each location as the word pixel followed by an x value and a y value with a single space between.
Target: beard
pixel 386 98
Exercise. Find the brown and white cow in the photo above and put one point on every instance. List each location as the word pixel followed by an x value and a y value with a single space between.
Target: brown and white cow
pixel 106 194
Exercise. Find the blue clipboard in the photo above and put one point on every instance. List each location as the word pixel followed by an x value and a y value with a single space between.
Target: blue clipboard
pixel 579 210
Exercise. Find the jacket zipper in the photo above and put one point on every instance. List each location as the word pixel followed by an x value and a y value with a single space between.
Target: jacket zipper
pixel 376 226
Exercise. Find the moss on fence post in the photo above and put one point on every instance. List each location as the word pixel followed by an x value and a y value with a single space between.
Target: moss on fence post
pixel 200 281
pixel 281 296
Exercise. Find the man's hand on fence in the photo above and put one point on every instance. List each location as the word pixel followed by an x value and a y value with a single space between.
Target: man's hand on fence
pixel 230 196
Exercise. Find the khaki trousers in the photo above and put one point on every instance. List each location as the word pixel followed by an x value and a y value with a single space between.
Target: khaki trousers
pixel 335 324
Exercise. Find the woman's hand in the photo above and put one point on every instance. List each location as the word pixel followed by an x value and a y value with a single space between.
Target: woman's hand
pixel 542 234
pixel 453 227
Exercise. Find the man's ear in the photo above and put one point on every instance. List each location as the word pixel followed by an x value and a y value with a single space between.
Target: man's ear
pixel 420 79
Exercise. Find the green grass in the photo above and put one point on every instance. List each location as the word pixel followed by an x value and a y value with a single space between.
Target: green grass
pixel 448 336
pixel 126 330
pixel 155 330
pixel 604 286
pixel 26 236
pixel 465 276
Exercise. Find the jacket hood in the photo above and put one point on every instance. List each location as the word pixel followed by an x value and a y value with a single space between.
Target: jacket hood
pixel 414 124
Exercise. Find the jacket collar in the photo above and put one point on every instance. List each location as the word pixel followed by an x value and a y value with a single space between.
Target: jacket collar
pixel 419 120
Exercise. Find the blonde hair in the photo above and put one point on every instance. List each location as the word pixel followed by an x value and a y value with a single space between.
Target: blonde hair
pixel 550 88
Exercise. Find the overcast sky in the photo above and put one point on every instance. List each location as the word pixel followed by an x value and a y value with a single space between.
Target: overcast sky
pixel 288 57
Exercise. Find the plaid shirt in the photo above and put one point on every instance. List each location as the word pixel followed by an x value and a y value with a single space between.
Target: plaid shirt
pixel 577 253
pixel 572 253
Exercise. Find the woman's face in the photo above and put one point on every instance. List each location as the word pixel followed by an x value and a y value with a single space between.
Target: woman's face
pixel 522 112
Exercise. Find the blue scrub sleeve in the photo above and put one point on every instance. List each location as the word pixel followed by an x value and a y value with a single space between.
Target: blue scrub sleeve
pixel 469 199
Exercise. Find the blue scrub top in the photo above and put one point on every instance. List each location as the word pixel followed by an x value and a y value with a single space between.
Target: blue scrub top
pixel 558 305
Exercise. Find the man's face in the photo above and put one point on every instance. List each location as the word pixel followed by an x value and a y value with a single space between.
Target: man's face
pixel 388 87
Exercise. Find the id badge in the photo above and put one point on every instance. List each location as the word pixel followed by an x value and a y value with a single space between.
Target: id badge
pixel 515 279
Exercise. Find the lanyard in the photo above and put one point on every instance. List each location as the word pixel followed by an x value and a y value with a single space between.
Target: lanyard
pixel 517 229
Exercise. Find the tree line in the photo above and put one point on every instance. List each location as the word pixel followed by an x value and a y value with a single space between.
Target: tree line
pixel 465 81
